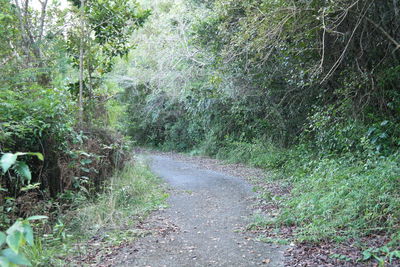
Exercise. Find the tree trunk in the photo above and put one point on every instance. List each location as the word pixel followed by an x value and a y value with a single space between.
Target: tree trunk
pixel 81 58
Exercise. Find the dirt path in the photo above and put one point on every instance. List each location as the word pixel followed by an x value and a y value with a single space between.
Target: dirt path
pixel 203 225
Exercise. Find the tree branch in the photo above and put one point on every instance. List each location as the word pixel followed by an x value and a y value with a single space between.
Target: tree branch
pixel 397 44
pixel 42 18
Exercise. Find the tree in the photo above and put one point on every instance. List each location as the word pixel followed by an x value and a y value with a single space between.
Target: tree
pixel 104 33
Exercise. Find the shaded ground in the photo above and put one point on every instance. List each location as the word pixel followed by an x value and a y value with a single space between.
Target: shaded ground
pixel 203 226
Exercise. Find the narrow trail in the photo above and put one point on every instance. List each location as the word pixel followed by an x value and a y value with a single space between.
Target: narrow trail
pixel 203 224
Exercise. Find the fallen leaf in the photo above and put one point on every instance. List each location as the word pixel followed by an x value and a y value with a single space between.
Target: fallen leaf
pixel 266 261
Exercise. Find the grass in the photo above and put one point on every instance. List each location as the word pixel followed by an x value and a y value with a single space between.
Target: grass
pixel 344 197
pixel 256 154
pixel 333 197
pixel 271 240
pixel 131 195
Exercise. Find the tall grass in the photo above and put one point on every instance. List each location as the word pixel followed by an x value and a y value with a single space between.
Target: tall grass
pixel 344 197
pixel 333 196
pixel 130 196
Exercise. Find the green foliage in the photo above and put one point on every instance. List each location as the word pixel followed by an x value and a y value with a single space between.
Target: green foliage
pixel 132 192
pixel 37 109
pixel 50 248
pixel 381 254
pixel 129 196
pixel 106 36
pixel 253 80
pixel 38 113
pixel 345 197
pixel 258 154
pixel 113 23
pixel 309 89
pixel 259 221
pixel 16 237
pixel 332 132
pixel 8 160
pixel 34 118
pixel 33 112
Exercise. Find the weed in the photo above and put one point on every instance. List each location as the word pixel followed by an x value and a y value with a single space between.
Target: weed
pixel 341 197
pixel 382 255
pixel 340 257
pixel 277 241
pixel 259 221
pixel 333 196
pixel 130 196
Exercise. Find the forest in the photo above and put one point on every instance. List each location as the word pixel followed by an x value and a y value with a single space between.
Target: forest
pixel 308 91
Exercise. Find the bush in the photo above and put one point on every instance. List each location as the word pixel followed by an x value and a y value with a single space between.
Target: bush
pixel 32 114
pixel 39 120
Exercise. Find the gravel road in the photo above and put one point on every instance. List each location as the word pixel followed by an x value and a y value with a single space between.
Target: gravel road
pixel 204 223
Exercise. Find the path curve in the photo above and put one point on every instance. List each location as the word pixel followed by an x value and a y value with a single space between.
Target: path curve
pixel 203 225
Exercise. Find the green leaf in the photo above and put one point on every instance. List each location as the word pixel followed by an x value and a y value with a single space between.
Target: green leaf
pixel 36 217
pixel 15 258
pixel 15 240
pixel 83 153
pixel 28 233
pixel 17 226
pixel 385 249
pixel 37 154
pixel 86 161
pixel 366 255
pixel 4 262
pixel 384 123
pixel 2 238
pixel 30 187
pixel 7 160
pixel 85 170
pixel 23 170
pixel 393 254
pixel 396 253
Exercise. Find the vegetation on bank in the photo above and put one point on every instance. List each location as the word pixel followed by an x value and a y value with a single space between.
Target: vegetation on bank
pixel 59 149
pixel 110 219
pixel 306 89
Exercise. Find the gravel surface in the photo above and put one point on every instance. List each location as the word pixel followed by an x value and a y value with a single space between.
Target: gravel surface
pixel 203 225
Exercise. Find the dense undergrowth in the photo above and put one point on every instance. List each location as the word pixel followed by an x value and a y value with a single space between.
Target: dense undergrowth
pixel 110 218
pixel 307 90
pixel 55 103
pixel 333 197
